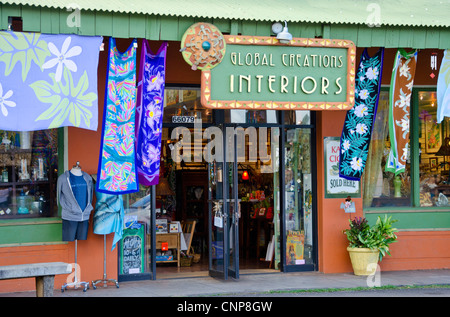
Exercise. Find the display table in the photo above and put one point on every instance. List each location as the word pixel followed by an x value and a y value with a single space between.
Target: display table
pixel 173 241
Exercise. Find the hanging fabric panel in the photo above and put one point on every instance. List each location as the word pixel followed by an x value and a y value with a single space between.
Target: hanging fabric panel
pixel 149 115
pixel 443 88
pixel 399 103
pixel 358 124
pixel 108 216
pixel 48 81
pixel 117 164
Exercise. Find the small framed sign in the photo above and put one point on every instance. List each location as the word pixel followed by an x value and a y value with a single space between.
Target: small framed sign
pixel 336 186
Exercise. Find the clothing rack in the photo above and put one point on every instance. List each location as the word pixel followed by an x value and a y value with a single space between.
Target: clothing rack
pixel 75 282
pixel 104 280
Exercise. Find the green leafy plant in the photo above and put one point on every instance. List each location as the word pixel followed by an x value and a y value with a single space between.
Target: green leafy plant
pixel 378 237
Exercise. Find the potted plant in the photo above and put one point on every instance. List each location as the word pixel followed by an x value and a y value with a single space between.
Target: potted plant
pixel 368 245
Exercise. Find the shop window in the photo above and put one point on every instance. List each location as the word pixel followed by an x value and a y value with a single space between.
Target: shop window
pixel 297 117
pixel 184 106
pixel 251 116
pixel 427 149
pixel 434 141
pixel 134 248
pixel 29 172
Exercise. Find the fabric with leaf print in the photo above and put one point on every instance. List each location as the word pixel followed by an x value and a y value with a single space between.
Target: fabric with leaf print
pixel 48 81
pixel 402 81
pixel 117 164
pixel 150 113
pixel 443 88
pixel 358 124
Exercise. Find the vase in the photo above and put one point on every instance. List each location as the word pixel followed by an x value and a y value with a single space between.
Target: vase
pixel 364 260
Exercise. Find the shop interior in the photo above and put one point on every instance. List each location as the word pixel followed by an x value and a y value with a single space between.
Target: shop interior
pixel 182 196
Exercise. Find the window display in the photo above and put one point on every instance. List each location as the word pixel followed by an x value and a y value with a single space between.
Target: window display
pixel 29 169
pixel 298 197
pixel 432 154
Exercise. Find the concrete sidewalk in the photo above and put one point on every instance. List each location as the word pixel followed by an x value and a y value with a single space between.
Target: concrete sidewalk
pixel 251 283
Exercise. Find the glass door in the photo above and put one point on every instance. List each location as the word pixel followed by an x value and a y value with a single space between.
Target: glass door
pixel 223 211
pixel 298 183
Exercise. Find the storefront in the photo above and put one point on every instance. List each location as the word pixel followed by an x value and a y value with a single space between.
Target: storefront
pixel 268 200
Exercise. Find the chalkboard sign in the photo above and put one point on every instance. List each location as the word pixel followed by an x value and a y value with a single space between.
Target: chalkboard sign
pixel 132 247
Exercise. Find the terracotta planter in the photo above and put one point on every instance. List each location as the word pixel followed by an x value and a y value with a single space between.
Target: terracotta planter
pixel 364 261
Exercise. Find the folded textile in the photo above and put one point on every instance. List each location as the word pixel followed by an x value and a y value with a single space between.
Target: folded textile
pixel 117 163
pixel 48 81
pixel 149 113
pixel 399 103
pixel 358 124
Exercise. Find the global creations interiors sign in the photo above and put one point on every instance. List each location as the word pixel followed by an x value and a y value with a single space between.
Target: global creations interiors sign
pixel 261 73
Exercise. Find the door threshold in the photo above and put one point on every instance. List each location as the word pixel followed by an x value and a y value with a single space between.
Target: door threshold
pixel 173 275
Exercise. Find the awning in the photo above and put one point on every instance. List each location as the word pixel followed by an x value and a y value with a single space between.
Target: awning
pixel 399 23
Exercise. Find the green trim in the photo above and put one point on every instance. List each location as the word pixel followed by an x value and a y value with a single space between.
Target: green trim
pixel 415 220
pixel 34 233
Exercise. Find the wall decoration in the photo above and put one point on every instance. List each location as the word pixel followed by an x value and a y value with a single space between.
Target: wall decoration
pixel 117 167
pixel 149 115
pixel 48 81
pixel 433 138
pixel 358 124
pixel 203 46
pixel 402 81
pixel 433 164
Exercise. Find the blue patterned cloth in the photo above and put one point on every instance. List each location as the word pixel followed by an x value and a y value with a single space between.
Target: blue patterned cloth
pixel 357 130
pixel 108 216
pixel 117 164
pixel 150 113
pixel 48 81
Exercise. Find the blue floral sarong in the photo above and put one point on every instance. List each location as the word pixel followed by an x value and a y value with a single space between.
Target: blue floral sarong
pixel 149 116
pixel 357 130
pixel 48 81
pixel 117 163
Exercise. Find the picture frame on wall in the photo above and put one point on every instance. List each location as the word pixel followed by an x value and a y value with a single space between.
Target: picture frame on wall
pixel 433 164
pixel 433 137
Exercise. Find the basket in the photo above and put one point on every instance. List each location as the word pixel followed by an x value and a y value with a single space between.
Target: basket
pixel 186 260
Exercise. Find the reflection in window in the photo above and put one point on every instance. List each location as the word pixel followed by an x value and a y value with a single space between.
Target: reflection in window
pixel 29 171
pixel 181 105
pixel 382 188
pixel 434 153
pixel 251 116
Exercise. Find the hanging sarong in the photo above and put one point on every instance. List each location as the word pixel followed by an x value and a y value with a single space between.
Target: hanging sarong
pixel 108 216
pixel 48 81
pixel 149 114
pixel 399 102
pixel 117 164
pixel 357 130
pixel 443 88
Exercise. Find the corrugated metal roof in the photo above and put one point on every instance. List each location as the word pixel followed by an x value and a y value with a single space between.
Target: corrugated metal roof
pixel 433 13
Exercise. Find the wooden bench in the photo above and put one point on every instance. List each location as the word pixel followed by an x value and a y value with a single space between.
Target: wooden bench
pixel 44 273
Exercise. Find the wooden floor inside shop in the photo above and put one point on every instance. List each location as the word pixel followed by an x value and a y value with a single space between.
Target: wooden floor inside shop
pixel 200 269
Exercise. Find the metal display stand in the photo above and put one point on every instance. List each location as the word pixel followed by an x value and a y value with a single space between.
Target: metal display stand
pixel 76 283
pixel 105 280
